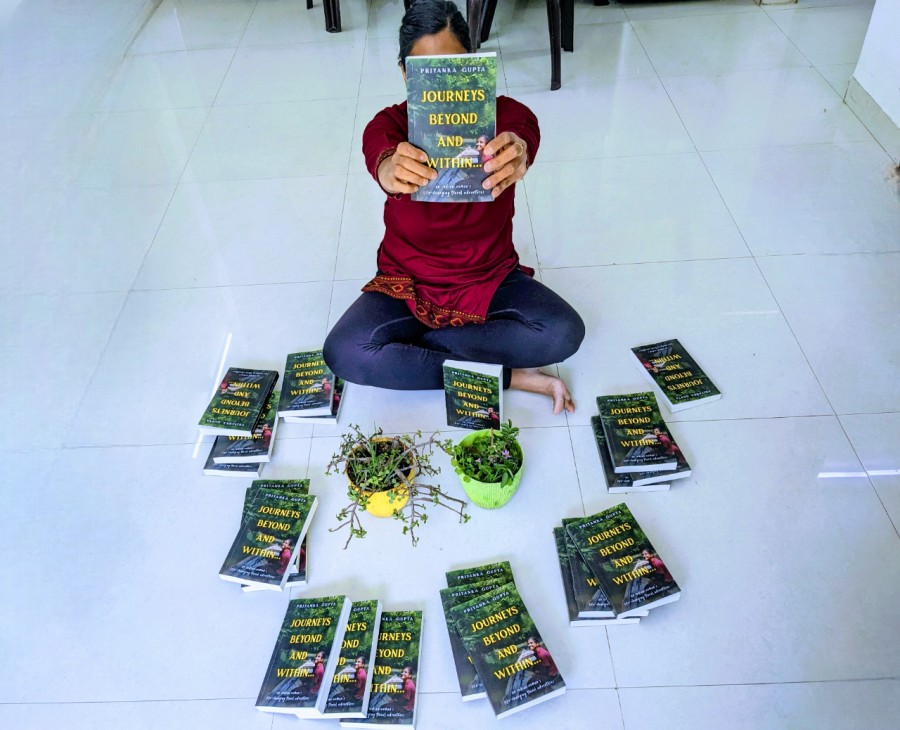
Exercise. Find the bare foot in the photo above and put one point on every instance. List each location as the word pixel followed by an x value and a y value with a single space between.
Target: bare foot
pixel 535 380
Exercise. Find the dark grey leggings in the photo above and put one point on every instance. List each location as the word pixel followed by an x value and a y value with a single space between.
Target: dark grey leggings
pixel 379 342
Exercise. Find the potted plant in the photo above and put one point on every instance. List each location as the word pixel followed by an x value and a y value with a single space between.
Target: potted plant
pixel 489 464
pixel 382 474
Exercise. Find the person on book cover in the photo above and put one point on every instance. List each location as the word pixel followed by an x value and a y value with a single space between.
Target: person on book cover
pixel 480 144
pixel 668 445
pixel 318 673
pixel 284 556
pixel 547 667
pixel 409 689
pixel 266 435
pixel 449 283
pixel 359 674
pixel 658 565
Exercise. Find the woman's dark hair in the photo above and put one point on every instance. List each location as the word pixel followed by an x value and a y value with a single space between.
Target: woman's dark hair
pixel 427 17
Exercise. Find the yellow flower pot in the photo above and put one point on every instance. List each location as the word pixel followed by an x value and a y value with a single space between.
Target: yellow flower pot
pixel 385 502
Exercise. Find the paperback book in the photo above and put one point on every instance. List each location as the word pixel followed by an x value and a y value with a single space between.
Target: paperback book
pixel 212 469
pixel 452 112
pixel 396 670
pixel 337 399
pixel 636 435
pixel 474 394
pixel 238 402
pixel 298 678
pixel 508 651
pixel 264 546
pixel 470 685
pixel 677 379
pixel 351 684
pixel 480 573
pixel 647 481
pixel 308 388
pixel 254 449
pixel 620 555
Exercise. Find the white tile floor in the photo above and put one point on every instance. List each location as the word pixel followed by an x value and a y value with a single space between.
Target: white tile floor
pixel 168 178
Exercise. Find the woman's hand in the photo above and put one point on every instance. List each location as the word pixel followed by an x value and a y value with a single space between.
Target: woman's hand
pixel 405 171
pixel 509 152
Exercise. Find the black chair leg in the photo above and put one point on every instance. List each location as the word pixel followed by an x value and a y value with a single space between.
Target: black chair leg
pixel 555 21
pixel 487 19
pixel 474 9
pixel 567 11
pixel 309 4
pixel 332 16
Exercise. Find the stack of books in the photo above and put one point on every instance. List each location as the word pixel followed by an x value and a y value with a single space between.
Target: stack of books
pixel 237 412
pixel 311 390
pixel 498 651
pixel 274 522
pixel 615 572
pixel 638 452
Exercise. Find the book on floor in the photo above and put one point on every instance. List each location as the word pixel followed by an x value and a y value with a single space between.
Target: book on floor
pixel 636 435
pixel 394 695
pixel 297 571
pixel 351 685
pixel 308 388
pixel 253 449
pixel 340 385
pixel 473 392
pixel 677 379
pixel 264 546
pixel 647 481
pixel 306 652
pixel 509 653
pixel 477 573
pixel 470 685
pixel 620 555
pixel 212 469
pixel 452 112
pixel 238 402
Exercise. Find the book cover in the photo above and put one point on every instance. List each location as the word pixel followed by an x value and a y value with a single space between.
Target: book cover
pixel 452 111
pixel 566 552
pixel 473 393
pixel 238 402
pixel 509 653
pixel 590 599
pixel 351 685
pixel 212 469
pixel 339 387
pixel 620 555
pixel 252 449
pixel 396 670
pixel 647 481
pixel 308 388
pixel 480 573
pixel 636 434
pixel 675 376
pixel 296 577
pixel 470 685
pixel 264 546
pixel 299 674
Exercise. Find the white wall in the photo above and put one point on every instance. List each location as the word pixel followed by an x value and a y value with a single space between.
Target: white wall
pixel 878 70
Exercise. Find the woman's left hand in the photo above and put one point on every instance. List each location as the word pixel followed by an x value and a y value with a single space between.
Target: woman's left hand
pixel 508 164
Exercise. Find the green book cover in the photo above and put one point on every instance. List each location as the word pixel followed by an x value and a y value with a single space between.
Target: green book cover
pixel 590 599
pixel 396 670
pixel 517 668
pixel 675 375
pixel 635 432
pixel 263 549
pixel 452 111
pixel 646 481
pixel 480 573
pixel 308 388
pixel 352 681
pixel 299 674
pixel 470 685
pixel 250 449
pixel 474 394
pixel 239 402
pixel 565 572
pixel 620 555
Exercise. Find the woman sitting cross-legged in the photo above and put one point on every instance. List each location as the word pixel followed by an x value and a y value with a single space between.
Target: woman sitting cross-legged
pixel 449 282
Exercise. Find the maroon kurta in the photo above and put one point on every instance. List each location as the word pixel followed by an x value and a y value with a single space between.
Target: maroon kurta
pixel 445 259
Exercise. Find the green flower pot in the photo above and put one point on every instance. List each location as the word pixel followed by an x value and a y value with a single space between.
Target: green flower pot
pixel 489 495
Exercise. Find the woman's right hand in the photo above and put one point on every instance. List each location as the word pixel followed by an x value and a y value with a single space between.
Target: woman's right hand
pixel 405 171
